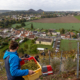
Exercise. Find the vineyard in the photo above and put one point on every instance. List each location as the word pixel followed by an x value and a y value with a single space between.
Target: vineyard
pixel 64 64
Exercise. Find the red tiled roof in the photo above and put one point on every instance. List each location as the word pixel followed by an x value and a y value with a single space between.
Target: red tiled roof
pixel 63 35
pixel 23 35
pixel 71 33
pixel 31 36
pixel 68 36
pixel 43 39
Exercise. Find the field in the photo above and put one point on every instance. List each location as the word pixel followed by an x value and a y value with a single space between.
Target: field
pixel 68 44
pixel 65 19
pixel 68 22
pixel 78 17
pixel 75 26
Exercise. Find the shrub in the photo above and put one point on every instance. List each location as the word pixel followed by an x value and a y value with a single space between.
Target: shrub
pixel 70 64
pixel 55 64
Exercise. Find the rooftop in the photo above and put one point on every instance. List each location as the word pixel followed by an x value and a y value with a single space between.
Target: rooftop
pixel 43 39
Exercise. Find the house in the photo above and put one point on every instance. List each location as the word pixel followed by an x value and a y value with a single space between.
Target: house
pixel 72 33
pixel 31 36
pixel 58 33
pixel 44 41
pixel 35 32
pixel 1 33
pixel 63 36
pixel 50 31
pixel 68 36
pixel 5 30
pixel 4 35
pixel 28 33
pixel 22 36
pixel 43 34
pixel 78 34
pixel 54 33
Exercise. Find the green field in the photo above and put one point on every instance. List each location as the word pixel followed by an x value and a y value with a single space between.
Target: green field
pixel 78 17
pixel 68 44
pixel 75 26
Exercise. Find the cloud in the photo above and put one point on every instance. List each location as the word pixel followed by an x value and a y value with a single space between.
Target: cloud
pixel 48 5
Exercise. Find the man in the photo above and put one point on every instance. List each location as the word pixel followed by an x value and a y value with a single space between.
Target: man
pixel 27 56
pixel 37 57
pixel 12 63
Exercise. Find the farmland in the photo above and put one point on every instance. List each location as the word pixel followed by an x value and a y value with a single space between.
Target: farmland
pixel 66 22
pixel 68 44
pixel 78 17
pixel 64 19
pixel 75 26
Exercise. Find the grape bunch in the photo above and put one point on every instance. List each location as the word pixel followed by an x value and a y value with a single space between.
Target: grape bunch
pixel 31 65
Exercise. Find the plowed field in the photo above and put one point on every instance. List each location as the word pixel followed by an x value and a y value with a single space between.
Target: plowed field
pixel 65 19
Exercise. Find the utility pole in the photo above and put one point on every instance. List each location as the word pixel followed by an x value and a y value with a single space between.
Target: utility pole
pixel 61 60
pixel 49 56
pixel 43 56
pixel 78 60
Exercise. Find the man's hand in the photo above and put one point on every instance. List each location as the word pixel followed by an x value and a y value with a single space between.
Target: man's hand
pixel 31 72
pixel 22 58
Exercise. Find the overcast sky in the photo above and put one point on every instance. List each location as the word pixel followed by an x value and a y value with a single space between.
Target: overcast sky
pixel 46 5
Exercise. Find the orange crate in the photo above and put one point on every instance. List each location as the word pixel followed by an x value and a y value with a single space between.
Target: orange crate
pixel 37 73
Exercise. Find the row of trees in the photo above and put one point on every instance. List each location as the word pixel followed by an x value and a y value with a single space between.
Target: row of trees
pixel 7 23
pixel 49 16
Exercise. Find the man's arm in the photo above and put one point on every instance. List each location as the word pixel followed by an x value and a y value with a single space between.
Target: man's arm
pixel 14 67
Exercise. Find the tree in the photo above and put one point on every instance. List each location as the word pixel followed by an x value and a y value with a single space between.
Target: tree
pixel 31 26
pixel 46 31
pixel 21 50
pixel 25 39
pixel 33 41
pixel 25 47
pixel 74 36
pixel 33 49
pixel 22 24
pixel 62 31
pixel 18 26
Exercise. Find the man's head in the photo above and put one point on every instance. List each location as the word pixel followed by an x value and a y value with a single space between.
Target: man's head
pixel 26 56
pixel 13 45
pixel 37 56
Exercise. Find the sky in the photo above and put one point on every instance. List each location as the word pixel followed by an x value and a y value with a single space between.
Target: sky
pixel 46 5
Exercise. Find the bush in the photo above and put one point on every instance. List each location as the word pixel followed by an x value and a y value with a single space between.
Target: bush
pixel 5 43
pixel 70 64
pixel 45 61
pixel 1 47
pixel 55 64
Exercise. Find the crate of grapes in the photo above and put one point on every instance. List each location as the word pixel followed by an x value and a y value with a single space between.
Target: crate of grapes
pixel 31 64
